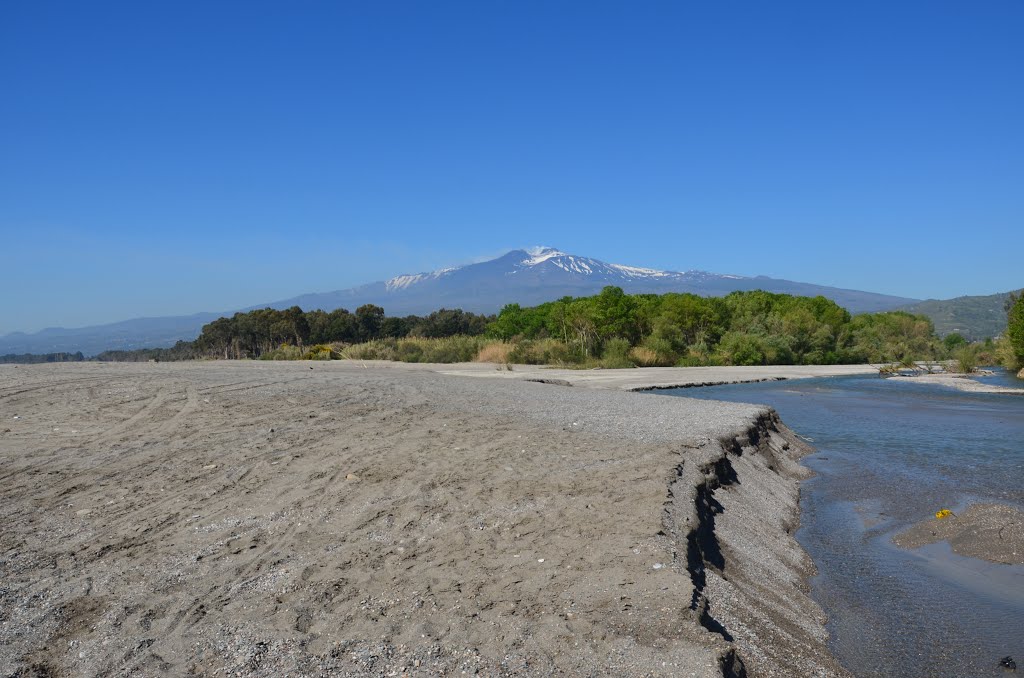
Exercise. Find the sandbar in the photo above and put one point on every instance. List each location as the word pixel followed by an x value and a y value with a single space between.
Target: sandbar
pixel 263 519
pixel 992 532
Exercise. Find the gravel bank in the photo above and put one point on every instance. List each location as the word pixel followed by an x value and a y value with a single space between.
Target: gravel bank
pixel 339 519
pixel 992 532
pixel 962 382
pixel 641 378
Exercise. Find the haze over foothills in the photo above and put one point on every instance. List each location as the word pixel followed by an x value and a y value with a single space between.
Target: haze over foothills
pixel 165 160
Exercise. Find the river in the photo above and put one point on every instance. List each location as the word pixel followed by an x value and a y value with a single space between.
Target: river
pixel 889 453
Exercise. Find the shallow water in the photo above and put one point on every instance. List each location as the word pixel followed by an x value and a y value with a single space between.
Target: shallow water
pixel 891 452
pixel 1001 377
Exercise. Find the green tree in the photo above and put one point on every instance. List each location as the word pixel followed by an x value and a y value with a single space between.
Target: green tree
pixel 1015 327
pixel 953 341
pixel 614 314
pixel 369 319
pixel 298 325
pixel 740 348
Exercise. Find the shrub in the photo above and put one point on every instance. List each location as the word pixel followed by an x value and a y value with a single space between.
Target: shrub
pixel 645 357
pixel 321 352
pixel 952 342
pixel 966 360
pixel 616 354
pixel 545 352
pixel 1003 353
pixel 1015 329
pixel 410 351
pixel 283 352
pixel 457 349
pixel 663 350
pixel 379 349
pixel 741 348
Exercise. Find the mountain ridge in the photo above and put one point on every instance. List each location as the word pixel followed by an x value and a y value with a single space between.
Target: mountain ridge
pixel 974 317
pixel 545 273
pixel 528 276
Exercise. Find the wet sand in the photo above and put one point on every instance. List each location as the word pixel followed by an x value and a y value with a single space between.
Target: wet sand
pixel 259 519
pixel 992 532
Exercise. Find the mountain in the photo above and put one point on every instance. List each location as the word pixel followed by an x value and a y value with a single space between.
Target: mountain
pixel 126 335
pixel 530 277
pixel 526 277
pixel 973 317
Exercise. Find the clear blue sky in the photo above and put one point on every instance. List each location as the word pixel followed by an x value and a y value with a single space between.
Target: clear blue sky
pixel 169 157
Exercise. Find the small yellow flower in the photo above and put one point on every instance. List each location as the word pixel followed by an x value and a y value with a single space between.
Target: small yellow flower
pixel 944 513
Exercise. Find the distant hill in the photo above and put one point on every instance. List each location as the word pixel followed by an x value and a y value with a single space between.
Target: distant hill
pixel 36 358
pixel 973 317
pixel 126 335
pixel 526 277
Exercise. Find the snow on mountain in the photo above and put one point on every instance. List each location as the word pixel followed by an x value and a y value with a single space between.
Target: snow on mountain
pixel 570 263
pixel 403 281
pixel 539 274
pixel 584 265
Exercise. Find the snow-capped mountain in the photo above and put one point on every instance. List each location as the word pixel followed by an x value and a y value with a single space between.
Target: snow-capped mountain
pixel 571 263
pixel 527 277
pixel 533 276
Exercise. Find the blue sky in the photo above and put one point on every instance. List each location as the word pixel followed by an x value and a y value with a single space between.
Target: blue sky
pixel 167 157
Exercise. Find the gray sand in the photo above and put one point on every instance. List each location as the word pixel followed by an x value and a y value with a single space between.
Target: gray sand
pixel 643 378
pixel 961 382
pixel 345 519
pixel 993 532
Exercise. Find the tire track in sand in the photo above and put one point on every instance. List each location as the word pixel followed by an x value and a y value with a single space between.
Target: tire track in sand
pixel 117 430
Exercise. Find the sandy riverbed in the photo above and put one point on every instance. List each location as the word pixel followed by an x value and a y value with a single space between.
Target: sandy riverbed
pixel 349 519
pixel 640 378
pixel 961 382
pixel 992 532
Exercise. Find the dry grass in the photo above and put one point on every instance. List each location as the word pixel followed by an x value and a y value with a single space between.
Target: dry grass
pixel 644 357
pixel 497 352
pixel 455 349
pixel 543 352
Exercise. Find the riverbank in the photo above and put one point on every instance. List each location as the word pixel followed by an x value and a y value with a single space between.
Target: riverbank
pixel 962 382
pixel 310 518
pixel 889 454
pixel 992 532
pixel 634 379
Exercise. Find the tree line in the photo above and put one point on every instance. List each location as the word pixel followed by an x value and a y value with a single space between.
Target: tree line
pixel 611 328
pixel 1014 353
pixel 37 358
pixel 263 331
pixel 742 328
